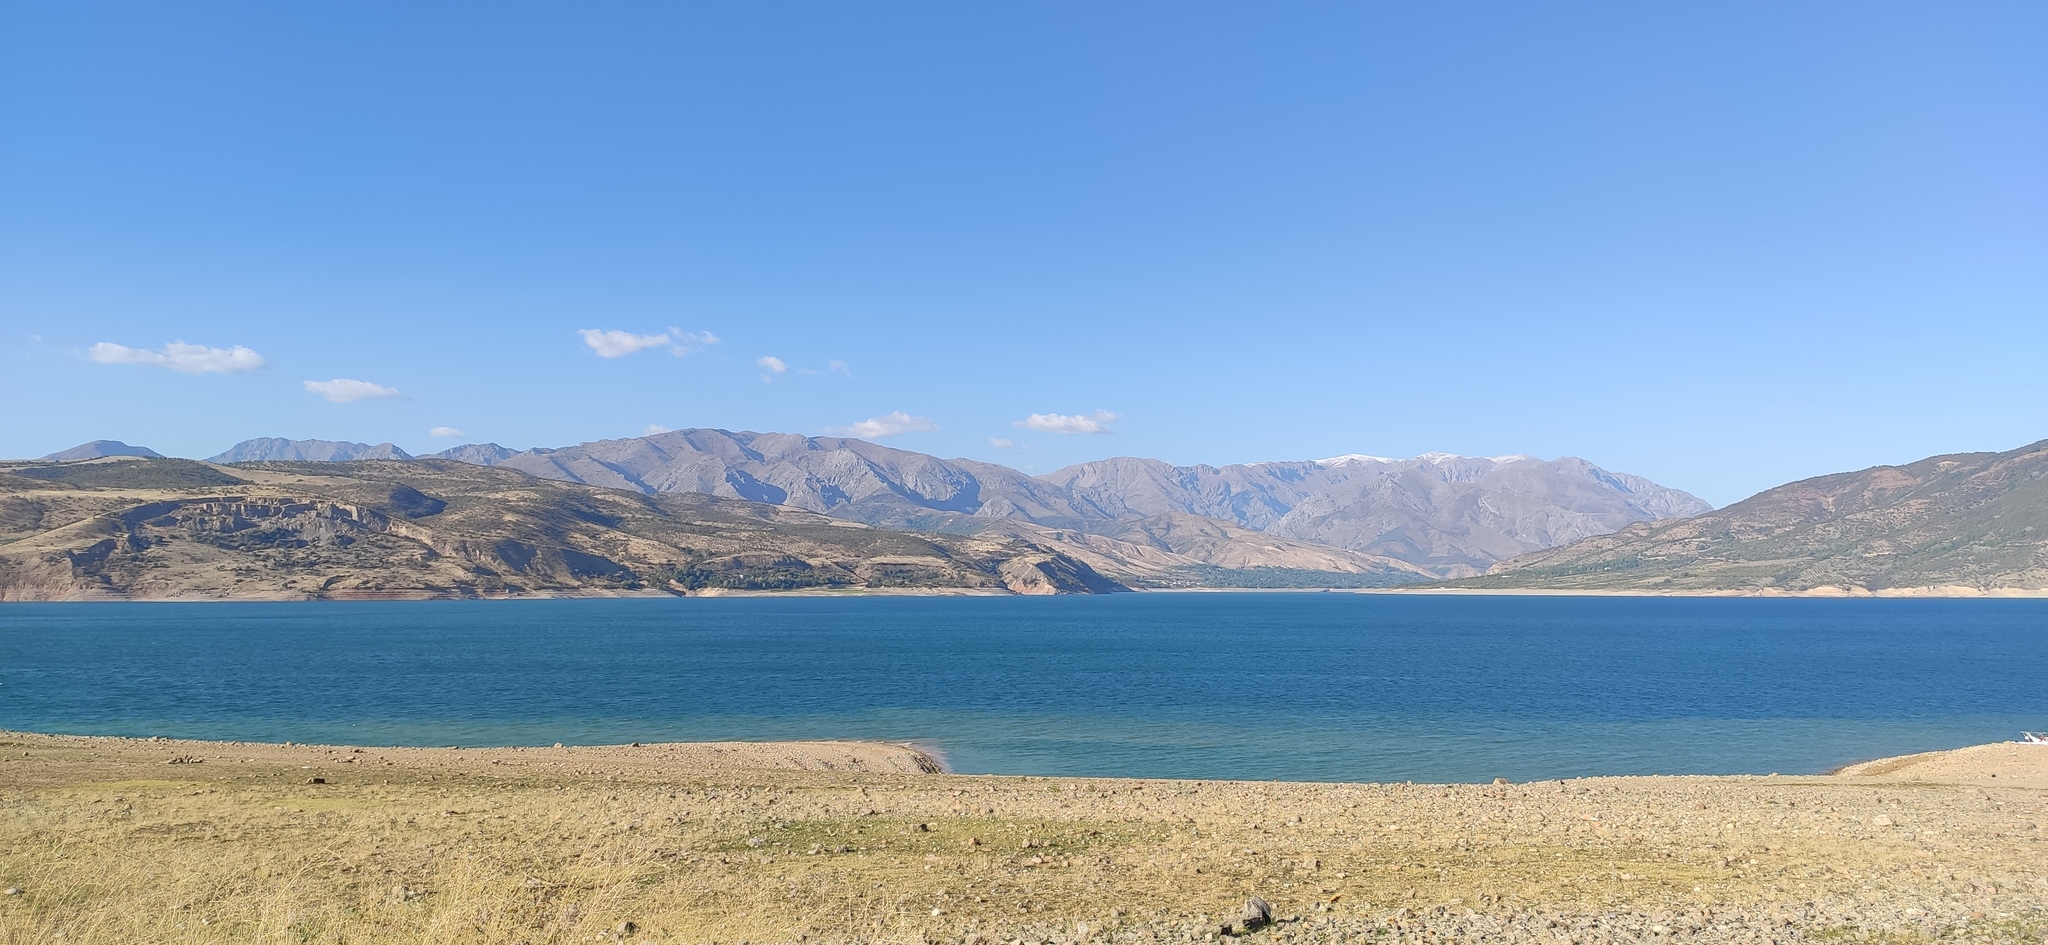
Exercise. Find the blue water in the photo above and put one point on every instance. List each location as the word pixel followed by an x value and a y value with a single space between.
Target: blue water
pixel 1258 686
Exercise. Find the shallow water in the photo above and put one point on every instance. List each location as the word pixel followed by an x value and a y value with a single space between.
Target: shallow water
pixel 1288 686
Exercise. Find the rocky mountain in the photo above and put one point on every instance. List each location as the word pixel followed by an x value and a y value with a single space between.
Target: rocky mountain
pixel 269 449
pixel 1447 513
pixel 179 529
pixel 1960 524
pixel 481 454
pixel 1441 514
pixel 99 448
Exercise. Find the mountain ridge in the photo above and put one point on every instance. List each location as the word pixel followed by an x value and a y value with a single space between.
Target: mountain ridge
pixel 1494 507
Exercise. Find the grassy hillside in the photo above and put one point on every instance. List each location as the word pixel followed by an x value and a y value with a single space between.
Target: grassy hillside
pixel 1964 523
pixel 158 529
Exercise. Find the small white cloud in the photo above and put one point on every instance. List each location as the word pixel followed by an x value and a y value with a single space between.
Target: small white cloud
pixel 179 356
pixel 772 363
pixel 343 390
pixel 889 425
pixel 1000 443
pixel 682 340
pixel 1097 422
pixel 444 431
pixel 839 367
pixel 618 344
pixel 652 428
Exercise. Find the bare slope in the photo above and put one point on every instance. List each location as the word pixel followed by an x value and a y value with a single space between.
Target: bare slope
pixel 161 529
pixel 1964 523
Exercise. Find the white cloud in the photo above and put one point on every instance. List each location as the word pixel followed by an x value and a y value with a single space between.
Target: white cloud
pixel 889 425
pixel 179 356
pixel 772 363
pixel 342 390
pixel 1000 443
pixel 617 344
pixel 652 428
pixel 445 431
pixel 1098 422
pixel 613 343
pixel 839 367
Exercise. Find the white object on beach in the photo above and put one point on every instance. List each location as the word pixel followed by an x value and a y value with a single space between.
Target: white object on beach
pixel 2033 738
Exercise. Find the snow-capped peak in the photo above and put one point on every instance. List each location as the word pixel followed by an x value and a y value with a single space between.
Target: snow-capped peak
pixel 1350 458
pixel 1436 458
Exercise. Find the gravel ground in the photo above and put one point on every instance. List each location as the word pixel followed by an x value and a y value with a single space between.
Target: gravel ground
pixel 116 840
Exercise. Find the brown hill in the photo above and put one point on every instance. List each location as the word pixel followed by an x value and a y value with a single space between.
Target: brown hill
pixel 1967 523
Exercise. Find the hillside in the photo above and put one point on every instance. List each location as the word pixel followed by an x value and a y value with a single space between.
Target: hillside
pixel 1958 524
pixel 172 529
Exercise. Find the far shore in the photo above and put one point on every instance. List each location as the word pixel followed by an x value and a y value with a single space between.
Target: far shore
pixel 1819 593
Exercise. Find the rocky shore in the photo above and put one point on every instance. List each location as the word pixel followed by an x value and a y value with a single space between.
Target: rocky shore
pixel 122 840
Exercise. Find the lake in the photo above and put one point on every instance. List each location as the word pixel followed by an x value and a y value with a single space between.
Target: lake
pixel 1326 686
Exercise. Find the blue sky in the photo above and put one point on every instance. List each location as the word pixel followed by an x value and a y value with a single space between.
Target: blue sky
pixel 1720 245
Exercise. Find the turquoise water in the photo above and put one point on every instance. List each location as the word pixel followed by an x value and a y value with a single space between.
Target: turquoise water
pixel 1257 686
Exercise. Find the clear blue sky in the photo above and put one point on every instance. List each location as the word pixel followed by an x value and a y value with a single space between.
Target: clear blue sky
pixel 1720 245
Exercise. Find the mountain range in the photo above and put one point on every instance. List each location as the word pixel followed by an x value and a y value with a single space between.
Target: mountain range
pixel 1960 524
pixel 1377 520
pixel 1444 515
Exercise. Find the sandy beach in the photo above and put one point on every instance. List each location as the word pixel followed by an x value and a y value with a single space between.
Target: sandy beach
pixel 125 840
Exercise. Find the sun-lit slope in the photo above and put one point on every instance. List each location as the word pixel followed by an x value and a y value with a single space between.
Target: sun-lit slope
pixel 136 528
pixel 1958 524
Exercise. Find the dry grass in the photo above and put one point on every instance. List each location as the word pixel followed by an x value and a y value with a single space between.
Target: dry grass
pixel 110 844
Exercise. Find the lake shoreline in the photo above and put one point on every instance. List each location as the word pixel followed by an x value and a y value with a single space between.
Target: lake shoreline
pixel 2022 764
pixel 1818 593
